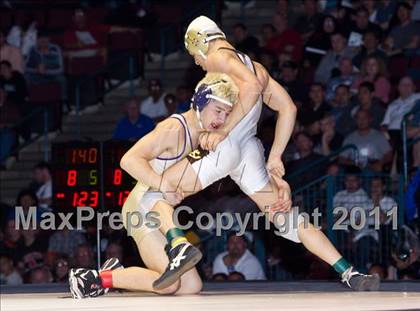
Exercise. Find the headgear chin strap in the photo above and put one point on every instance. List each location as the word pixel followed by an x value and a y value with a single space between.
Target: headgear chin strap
pixel 202 97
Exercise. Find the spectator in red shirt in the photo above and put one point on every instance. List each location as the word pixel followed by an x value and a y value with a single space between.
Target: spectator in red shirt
pixel 85 39
pixel 287 40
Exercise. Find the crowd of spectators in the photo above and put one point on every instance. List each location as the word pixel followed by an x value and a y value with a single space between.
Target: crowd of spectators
pixel 351 69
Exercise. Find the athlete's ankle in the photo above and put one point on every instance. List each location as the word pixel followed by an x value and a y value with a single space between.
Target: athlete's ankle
pixel 175 236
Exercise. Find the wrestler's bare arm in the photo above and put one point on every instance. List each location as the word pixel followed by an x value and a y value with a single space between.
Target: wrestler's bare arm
pixel 249 86
pixel 277 98
pixel 136 160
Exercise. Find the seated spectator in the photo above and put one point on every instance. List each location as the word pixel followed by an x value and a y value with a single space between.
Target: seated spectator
pixel 14 85
pixel 154 105
pixel 134 125
pixel 305 156
pixel 65 242
pixel 85 39
pixel 374 71
pixel 397 110
pixel 32 241
pixel 183 98
pixel 353 194
pixel 374 151
pixel 83 257
pixel 381 200
pixel 40 276
pixel 360 26
pixel 45 64
pixel 23 36
pixel 243 41
pixel 330 61
pixel 11 244
pixel 26 199
pixel 385 11
pixel 286 41
pixel 235 277
pixel 294 86
pixel 369 48
pixel 269 61
pixel 346 77
pixel 61 269
pixel 238 258
pixel 114 250
pixel 367 101
pixel 341 106
pixel 10 54
pixel 320 40
pixel 308 22
pixel 42 185
pixel 413 132
pixel 330 139
pixel 8 273
pixel 406 33
pixel 170 103
pixel 219 277
pixel 315 108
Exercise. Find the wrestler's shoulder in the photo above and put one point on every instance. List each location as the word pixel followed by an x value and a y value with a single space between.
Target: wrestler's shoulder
pixel 169 124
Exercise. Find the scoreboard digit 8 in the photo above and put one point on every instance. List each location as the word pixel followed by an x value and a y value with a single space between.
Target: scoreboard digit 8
pixel 77 174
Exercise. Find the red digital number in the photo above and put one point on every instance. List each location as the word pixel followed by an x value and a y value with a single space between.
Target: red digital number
pixel 122 197
pixel 92 155
pixel 94 199
pixel 117 177
pixel 71 178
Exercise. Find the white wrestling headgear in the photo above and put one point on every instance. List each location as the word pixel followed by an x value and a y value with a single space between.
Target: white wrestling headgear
pixel 199 33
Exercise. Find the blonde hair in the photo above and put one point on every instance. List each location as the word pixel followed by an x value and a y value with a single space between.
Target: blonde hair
pixel 221 85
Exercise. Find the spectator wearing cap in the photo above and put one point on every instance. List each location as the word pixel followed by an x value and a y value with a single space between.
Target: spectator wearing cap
pixel 314 109
pixel 367 101
pixel 374 71
pixel 374 151
pixel 331 60
pixel 294 86
pixel 45 63
pixel 243 41
pixel 11 54
pixel 154 105
pixel 134 125
pixel 406 33
pixel 305 156
pixel 346 77
pixel 370 47
pixel 238 258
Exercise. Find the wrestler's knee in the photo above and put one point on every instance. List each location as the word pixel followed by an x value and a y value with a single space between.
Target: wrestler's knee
pixel 170 290
pixel 288 225
pixel 191 287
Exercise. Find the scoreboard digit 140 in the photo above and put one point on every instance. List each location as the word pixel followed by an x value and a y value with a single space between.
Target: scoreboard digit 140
pixel 85 172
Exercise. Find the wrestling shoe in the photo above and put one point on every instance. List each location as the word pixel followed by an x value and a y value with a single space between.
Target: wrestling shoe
pixel 360 282
pixel 182 258
pixel 87 282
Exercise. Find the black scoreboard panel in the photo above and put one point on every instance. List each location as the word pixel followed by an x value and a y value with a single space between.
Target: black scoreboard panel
pixel 77 171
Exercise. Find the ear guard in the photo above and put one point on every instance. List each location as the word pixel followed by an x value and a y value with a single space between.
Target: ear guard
pixel 197 42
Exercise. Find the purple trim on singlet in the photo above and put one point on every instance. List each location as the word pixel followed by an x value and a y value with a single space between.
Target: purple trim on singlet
pixel 185 141
pixel 188 131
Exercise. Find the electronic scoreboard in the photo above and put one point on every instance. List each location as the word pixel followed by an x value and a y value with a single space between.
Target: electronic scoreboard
pixel 85 173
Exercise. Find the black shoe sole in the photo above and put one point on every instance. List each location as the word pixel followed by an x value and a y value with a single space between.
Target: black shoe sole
pixel 160 284
pixel 369 284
